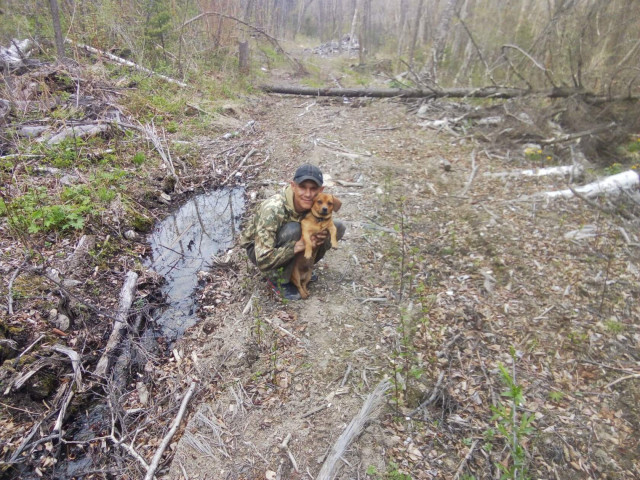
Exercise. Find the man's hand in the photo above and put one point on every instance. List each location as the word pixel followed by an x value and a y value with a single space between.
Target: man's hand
pixel 317 239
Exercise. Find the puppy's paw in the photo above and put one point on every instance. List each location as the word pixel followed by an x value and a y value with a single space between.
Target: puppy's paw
pixel 307 255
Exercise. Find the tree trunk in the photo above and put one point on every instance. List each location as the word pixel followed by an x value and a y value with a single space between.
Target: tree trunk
pixel 402 27
pixel 414 34
pixel 243 57
pixel 353 25
pixel 437 52
pixel 55 16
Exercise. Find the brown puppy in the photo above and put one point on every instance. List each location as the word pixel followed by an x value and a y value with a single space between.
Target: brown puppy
pixel 316 220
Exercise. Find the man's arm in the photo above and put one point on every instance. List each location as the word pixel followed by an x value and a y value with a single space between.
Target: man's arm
pixel 268 255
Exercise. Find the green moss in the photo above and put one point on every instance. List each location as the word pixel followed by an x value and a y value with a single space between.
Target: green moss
pixel 44 383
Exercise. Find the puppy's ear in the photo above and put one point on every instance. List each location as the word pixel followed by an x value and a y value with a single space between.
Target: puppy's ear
pixel 336 203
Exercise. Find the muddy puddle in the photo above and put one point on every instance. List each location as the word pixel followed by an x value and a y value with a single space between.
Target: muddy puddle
pixel 183 244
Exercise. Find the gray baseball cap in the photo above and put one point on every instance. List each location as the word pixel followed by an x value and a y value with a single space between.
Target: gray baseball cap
pixel 308 172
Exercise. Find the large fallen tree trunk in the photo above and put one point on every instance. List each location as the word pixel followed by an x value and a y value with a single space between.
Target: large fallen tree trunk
pixel 488 92
pixel 610 185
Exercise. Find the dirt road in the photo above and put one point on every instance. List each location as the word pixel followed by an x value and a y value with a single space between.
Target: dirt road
pixel 442 278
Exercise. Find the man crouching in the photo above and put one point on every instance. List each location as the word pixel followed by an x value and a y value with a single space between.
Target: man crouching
pixel 272 237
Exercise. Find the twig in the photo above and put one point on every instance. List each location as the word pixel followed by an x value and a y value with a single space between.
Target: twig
pixel 595 205
pixel 432 398
pixel 465 460
pixel 346 376
pixel 247 156
pixel 153 466
pixel 57 428
pixel 285 446
pixel 184 471
pixel 373 299
pixel 315 410
pixel 10 288
pixel 621 379
pixel 572 136
pixel 474 170
pixel 195 107
pixel 603 365
pixel 26 350
pixel 282 329
pixel 533 60
pixel 130 449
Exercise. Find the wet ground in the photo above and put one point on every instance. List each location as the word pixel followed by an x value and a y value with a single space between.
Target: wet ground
pixel 184 243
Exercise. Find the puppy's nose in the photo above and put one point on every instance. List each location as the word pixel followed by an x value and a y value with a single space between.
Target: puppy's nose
pixel 325 210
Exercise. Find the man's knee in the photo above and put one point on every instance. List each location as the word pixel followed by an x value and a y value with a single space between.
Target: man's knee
pixel 290 231
pixel 341 228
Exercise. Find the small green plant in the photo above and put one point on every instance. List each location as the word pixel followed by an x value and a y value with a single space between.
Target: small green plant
pixel 634 145
pixel 614 168
pixel 138 159
pixel 513 428
pixel 533 154
pixel 393 473
pixel 614 326
pixel 172 126
pixel 556 396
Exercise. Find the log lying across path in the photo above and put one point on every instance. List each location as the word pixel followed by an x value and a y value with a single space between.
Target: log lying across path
pixel 486 92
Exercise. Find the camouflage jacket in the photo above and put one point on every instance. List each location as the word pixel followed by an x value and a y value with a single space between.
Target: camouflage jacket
pixel 262 229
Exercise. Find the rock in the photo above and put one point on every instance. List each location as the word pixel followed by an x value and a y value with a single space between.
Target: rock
pixel 30 131
pixel 69 179
pixel 130 235
pixel 63 322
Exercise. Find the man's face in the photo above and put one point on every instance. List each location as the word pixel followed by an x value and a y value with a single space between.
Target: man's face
pixel 304 194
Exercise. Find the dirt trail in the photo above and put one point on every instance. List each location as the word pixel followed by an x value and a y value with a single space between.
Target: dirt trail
pixel 479 276
pixel 336 330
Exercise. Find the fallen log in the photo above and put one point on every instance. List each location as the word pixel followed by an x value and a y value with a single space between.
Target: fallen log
pixel 485 92
pixel 395 92
pixel 16 55
pixel 574 171
pixel 127 63
pixel 78 131
pixel 609 185
pixel 120 323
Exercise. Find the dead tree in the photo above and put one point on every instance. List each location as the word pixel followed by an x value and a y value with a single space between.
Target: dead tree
pixel 55 16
